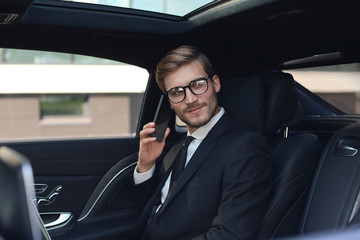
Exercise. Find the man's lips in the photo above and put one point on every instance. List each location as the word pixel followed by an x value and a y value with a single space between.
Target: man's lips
pixel 194 110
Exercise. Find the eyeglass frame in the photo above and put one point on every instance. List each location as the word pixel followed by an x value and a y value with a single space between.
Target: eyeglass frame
pixel 188 86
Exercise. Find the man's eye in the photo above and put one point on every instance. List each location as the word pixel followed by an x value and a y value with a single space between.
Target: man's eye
pixel 198 84
pixel 176 92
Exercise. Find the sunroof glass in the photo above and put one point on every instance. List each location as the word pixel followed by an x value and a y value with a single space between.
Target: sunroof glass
pixel 173 7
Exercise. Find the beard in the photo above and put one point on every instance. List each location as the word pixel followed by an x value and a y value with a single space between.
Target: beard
pixel 203 119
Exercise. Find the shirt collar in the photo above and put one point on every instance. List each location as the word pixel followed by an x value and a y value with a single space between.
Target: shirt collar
pixel 202 131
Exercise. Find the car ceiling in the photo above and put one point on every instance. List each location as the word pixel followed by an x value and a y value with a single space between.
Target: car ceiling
pixel 239 36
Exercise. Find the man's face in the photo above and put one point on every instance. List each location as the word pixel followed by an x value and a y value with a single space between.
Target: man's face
pixel 194 110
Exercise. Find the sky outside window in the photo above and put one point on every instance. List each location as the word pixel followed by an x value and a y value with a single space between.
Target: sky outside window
pixel 173 7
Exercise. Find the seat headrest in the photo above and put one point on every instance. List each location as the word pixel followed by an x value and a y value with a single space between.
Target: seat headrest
pixel 281 102
pixel 263 104
pixel 243 100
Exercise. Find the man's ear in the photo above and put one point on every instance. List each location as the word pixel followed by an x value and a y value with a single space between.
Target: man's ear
pixel 216 82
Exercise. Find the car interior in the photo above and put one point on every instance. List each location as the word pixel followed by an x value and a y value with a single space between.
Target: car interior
pixel 18 210
pixel 255 46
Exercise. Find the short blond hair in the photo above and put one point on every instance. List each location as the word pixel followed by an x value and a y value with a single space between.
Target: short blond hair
pixel 178 57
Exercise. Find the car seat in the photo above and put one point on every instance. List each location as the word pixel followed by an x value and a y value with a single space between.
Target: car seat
pixel 269 105
pixel 294 155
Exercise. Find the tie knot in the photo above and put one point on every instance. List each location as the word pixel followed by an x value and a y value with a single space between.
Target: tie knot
pixel 188 141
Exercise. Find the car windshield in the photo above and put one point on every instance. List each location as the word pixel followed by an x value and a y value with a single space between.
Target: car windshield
pixel 173 7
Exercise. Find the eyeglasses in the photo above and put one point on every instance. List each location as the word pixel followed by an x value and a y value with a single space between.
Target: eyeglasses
pixel 197 87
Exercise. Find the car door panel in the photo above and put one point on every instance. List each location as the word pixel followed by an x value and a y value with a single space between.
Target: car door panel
pixel 66 173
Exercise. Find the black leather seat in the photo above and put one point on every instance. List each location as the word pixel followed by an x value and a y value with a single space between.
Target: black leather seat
pixel 294 155
pixel 269 104
pixel 243 99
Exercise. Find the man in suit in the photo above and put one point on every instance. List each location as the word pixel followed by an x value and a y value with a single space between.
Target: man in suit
pixel 223 190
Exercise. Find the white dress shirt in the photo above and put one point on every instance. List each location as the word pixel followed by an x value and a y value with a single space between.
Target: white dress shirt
pixel 198 136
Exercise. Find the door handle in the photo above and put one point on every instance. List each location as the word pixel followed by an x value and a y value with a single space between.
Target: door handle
pixel 53 220
pixel 43 201
pixel 347 147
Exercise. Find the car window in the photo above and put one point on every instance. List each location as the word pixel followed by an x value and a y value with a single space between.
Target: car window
pixel 173 7
pixel 338 85
pixel 46 95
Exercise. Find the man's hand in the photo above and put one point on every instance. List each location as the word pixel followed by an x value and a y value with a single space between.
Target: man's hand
pixel 150 148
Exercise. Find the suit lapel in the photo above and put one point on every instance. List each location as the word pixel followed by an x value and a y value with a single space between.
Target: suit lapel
pixel 199 156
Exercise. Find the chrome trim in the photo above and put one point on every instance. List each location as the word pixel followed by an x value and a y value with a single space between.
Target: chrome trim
pixel 356 208
pixel 102 192
pixel 353 150
pixel 40 187
pixel 7 18
pixel 63 219
pixel 43 201
pixel 286 132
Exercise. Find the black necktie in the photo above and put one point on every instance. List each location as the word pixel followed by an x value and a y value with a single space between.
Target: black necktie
pixel 179 162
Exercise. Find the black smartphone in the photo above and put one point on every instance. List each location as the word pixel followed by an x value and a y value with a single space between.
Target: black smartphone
pixel 161 118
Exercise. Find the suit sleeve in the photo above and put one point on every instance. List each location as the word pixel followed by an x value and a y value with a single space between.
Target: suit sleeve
pixel 145 189
pixel 246 187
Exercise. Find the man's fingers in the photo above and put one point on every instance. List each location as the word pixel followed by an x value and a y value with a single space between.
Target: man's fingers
pixel 148 140
pixel 149 125
pixel 146 131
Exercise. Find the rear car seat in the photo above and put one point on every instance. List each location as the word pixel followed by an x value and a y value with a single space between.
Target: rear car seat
pixel 269 104
pixel 295 157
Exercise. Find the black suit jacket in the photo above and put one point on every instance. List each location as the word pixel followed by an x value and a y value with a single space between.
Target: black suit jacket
pixel 221 194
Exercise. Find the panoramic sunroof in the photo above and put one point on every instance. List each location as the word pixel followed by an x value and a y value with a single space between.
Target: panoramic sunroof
pixel 173 7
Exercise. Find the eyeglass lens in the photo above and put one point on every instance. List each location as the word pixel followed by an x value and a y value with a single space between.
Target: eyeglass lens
pixel 197 87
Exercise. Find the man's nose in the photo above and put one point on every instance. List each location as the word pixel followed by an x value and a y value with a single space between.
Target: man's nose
pixel 190 97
